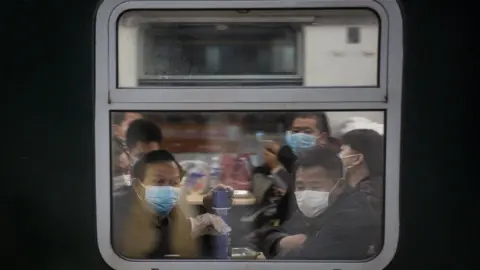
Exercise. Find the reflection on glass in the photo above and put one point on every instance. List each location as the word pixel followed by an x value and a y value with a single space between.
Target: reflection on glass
pixel 197 180
pixel 259 47
pixel 189 49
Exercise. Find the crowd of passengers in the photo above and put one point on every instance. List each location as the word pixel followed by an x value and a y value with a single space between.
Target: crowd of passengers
pixel 328 205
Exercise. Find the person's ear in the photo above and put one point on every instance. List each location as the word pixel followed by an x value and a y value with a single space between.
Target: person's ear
pixel 138 187
pixel 359 159
pixel 322 139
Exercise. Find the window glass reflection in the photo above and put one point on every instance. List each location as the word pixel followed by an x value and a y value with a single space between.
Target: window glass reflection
pixel 255 48
pixel 183 49
pixel 248 185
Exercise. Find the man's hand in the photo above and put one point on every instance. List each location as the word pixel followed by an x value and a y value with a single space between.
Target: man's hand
pixel 272 146
pixel 271 159
pixel 292 242
pixel 208 224
pixel 270 154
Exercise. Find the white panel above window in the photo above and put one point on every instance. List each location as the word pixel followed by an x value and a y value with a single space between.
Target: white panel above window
pixel 333 61
pixel 255 48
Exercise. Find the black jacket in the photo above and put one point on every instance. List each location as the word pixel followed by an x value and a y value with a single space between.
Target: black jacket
pixel 350 229
pixel 286 205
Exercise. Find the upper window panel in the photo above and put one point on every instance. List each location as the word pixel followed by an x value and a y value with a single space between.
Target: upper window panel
pixel 247 48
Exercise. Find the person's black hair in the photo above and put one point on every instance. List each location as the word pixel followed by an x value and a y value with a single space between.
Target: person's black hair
pixel 157 156
pixel 321 118
pixel 371 145
pixel 142 130
pixel 323 157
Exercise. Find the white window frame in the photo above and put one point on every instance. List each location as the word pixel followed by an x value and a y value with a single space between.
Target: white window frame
pixel 387 96
pixel 235 94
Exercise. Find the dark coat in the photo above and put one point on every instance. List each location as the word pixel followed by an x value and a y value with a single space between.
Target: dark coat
pixel 350 229
pixel 286 205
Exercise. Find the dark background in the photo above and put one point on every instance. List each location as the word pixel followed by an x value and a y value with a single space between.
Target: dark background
pixel 48 190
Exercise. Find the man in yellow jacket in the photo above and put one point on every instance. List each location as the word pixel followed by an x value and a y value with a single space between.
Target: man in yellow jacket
pixel 159 222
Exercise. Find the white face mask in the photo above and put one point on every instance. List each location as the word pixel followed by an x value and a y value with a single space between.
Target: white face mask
pixel 312 203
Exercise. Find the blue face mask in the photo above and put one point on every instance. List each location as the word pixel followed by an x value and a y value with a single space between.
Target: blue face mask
pixel 161 198
pixel 300 141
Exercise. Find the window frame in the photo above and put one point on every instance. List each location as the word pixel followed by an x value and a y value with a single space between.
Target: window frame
pixel 387 96
pixel 376 93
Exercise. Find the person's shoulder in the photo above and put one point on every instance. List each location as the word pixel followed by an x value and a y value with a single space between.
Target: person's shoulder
pixel 373 190
pixel 357 200
pixel 372 186
pixel 123 200
pixel 354 206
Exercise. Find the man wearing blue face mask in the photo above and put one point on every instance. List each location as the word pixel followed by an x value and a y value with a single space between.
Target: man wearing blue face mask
pixel 160 222
pixel 306 130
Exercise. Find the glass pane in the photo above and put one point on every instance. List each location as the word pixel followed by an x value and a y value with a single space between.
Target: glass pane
pixel 311 177
pixel 258 47
pixel 196 49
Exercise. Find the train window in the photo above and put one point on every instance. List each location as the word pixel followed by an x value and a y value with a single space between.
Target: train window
pixel 196 54
pixel 248 134
pixel 259 48
pixel 225 148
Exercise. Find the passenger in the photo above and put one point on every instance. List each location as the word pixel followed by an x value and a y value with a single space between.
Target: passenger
pixel 359 123
pixel 307 130
pixel 120 151
pixel 143 136
pixel 314 175
pixel 342 225
pixel 157 225
pixel 121 123
pixel 363 157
